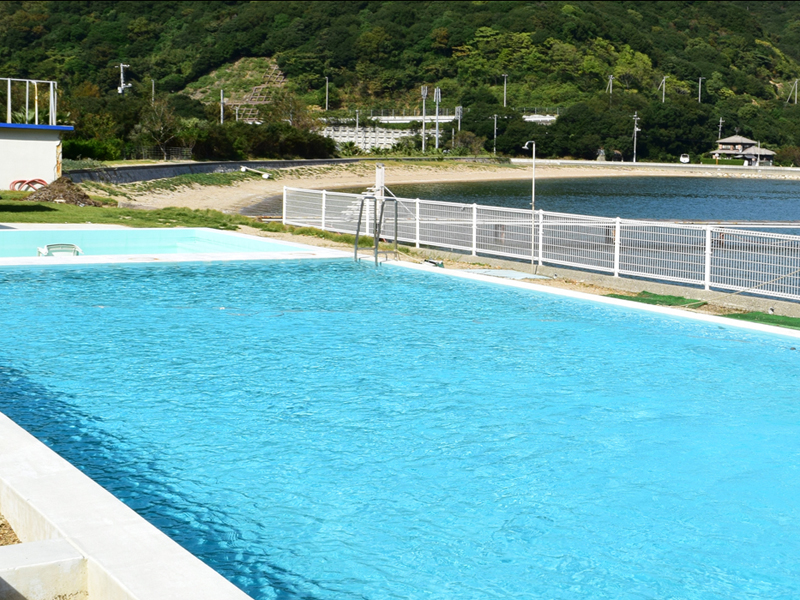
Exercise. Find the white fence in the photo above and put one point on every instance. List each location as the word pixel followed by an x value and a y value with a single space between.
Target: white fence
pixel 714 257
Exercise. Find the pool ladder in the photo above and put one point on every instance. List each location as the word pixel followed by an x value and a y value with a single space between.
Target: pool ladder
pixel 377 225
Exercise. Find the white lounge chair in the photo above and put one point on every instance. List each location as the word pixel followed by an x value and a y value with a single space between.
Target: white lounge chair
pixel 60 250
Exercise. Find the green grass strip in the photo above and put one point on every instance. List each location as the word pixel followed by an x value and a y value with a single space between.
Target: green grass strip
pixel 14 211
pixel 660 299
pixel 767 319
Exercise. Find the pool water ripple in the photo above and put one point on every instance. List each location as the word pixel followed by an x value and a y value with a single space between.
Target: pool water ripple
pixel 356 434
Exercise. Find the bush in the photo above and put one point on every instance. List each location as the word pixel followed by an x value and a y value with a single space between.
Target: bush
pixel 238 141
pixel 96 149
pixel 788 156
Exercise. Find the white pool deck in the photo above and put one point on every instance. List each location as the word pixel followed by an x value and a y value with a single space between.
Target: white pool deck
pixel 81 543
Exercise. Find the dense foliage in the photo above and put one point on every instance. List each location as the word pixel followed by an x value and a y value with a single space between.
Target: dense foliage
pixel 378 53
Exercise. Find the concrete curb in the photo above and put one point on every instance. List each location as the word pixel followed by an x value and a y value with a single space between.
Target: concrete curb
pixel 45 499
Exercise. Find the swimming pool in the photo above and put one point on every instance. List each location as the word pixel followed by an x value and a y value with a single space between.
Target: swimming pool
pixel 100 242
pixel 326 430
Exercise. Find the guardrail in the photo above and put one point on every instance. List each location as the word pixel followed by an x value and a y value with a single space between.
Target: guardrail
pixel 718 257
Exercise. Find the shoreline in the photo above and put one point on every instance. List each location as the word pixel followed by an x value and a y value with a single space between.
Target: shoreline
pixel 341 176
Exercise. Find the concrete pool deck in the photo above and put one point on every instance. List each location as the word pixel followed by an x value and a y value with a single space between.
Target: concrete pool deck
pixel 80 542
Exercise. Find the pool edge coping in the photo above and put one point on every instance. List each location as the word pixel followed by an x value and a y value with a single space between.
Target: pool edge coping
pixel 125 556
pixel 653 308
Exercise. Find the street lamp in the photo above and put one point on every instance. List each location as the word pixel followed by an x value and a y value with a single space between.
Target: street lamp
pixel 437 97
pixel 532 145
pixel 424 92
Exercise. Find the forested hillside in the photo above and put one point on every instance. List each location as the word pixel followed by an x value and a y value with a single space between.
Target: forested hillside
pixel 377 54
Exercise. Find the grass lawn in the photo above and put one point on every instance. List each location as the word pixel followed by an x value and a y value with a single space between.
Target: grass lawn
pixel 12 210
pixel 753 317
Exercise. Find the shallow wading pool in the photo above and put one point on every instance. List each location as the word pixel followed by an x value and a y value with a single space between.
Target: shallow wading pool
pixel 320 429
pixel 98 242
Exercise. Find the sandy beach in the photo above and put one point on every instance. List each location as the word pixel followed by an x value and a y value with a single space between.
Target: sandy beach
pixel 236 197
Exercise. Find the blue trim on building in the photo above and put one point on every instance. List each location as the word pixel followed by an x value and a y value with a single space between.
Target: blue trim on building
pixel 29 126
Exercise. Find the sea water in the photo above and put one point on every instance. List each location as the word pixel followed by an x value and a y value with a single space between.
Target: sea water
pixel 686 198
pixel 332 431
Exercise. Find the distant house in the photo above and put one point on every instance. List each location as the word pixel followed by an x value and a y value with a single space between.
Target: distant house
pixel 738 146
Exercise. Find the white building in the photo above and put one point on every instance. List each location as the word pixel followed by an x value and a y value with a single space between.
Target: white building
pixel 366 138
pixel 30 139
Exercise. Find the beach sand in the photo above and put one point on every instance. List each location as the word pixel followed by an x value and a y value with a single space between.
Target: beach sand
pixel 329 177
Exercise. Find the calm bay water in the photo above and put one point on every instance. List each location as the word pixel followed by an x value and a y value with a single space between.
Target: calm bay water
pixel 695 198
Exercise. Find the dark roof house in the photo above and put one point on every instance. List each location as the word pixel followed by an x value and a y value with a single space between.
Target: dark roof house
pixel 737 146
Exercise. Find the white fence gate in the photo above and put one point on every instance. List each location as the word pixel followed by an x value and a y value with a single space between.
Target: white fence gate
pixel 714 257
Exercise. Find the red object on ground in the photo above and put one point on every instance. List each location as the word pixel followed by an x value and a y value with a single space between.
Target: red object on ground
pixel 27 184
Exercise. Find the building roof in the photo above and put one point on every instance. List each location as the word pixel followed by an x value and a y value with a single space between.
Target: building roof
pixel 757 152
pixel 32 126
pixel 753 151
pixel 736 139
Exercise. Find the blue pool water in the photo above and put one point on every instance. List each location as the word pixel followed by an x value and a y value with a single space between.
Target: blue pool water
pixel 17 243
pixel 332 431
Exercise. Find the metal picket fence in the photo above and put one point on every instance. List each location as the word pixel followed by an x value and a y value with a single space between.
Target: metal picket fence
pixel 710 256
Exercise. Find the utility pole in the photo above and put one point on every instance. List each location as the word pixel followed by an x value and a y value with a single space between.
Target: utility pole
pixel 699 89
pixel 424 91
pixel 153 93
pixel 221 107
pixel 721 121
pixel 326 94
pixel 459 114
pixel 437 97
pixel 663 87
pixel 505 83
pixel 122 85
pixel 793 89
pixel 635 131
pixel 355 138
pixel 494 150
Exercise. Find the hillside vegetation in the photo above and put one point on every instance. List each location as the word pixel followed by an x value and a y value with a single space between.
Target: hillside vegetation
pixel 377 54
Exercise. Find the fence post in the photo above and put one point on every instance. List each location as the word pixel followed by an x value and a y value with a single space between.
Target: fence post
pixel 474 229
pixel 541 236
pixel 707 279
pixel 284 205
pixel 417 222
pixel 324 198
pixel 617 231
